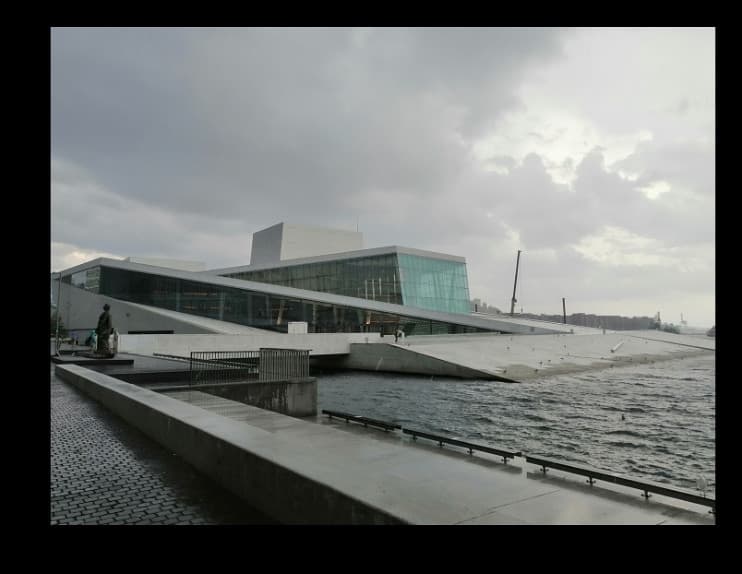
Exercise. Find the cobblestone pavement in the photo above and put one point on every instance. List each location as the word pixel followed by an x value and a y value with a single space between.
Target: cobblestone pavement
pixel 104 471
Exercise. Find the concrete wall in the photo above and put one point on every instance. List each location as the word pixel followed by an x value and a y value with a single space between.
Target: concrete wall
pixel 292 398
pixel 303 241
pixel 182 345
pixel 289 241
pixel 297 327
pixel 80 310
pixel 397 359
pixel 266 245
pixel 251 462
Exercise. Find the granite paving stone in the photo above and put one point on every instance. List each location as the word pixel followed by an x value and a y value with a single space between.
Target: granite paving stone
pixel 104 471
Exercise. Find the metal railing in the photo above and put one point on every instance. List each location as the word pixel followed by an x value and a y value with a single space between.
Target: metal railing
pixel 365 421
pixel 283 364
pixel 592 474
pixel 387 426
pixel 441 440
pixel 645 486
pixel 223 366
pixel 265 365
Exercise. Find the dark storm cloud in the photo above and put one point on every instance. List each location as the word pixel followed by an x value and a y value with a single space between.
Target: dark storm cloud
pixel 247 120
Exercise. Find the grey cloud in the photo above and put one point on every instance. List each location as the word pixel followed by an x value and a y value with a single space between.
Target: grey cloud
pixel 549 215
pixel 267 116
pixel 542 284
pixel 502 161
pixel 88 215
pixel 689 164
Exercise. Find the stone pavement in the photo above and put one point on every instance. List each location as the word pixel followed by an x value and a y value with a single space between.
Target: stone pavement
pixel 103 471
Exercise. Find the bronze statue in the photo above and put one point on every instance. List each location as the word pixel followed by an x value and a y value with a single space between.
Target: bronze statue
pixel 103 330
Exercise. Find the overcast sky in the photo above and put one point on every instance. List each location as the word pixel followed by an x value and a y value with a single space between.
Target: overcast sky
pixel 591 150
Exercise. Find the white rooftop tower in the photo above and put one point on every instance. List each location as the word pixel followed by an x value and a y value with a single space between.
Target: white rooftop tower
pixel 288 241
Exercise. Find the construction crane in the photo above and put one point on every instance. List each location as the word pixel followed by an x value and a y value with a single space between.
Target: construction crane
pixel 514 300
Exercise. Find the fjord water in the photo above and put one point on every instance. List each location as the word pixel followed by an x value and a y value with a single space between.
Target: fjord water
pixel 669 407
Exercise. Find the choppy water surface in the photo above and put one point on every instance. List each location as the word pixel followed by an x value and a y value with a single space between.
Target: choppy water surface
pixel 668 435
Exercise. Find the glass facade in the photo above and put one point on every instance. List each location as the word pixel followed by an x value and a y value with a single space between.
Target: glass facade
pixel 374 277
pixel 88 279
pixel 417 281
pixel 252 308
pixel 435 284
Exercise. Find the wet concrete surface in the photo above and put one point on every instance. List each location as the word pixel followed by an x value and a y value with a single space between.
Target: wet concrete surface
pixel 104 471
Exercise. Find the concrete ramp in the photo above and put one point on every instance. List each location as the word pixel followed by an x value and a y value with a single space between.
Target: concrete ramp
pixel 516 358
pixel 396 358
pixel 695 341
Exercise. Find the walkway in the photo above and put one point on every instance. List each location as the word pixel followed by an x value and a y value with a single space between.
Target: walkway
pixel 103 471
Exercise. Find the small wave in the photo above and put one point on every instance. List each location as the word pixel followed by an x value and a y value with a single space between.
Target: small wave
pixel 536 418
pixel 651 376
pixel 626 433
pixel 623 444
pixel 663 475
pixel 524 400
pixel 678 409
pixel 656 395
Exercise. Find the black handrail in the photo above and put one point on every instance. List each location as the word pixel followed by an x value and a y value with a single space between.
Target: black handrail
pixel 645 486
pixel 505 454
pixel 592 474
pixel 365 421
